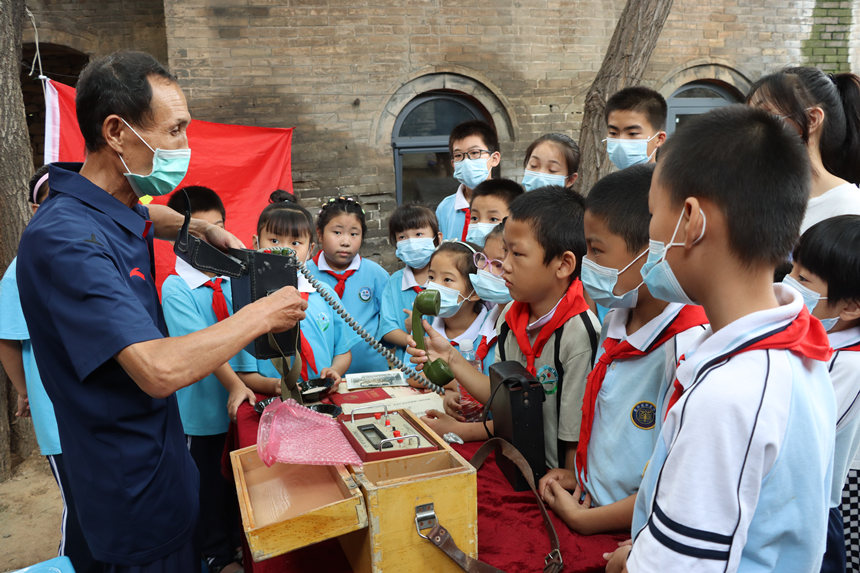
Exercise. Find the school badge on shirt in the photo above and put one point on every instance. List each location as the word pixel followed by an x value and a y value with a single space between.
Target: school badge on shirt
pixel 323 321
pixel 365 294
pixel 548 377
pixel 644 415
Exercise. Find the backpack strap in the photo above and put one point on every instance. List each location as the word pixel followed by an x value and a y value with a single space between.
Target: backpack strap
pixel 503 336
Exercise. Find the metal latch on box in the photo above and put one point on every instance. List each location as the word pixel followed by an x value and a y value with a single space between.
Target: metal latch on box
pixel 425 518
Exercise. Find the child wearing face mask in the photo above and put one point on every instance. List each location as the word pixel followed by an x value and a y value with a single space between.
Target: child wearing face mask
pixel 551 159
pixel 489 207
pixel 359 282
pixel 635 126
pixel 326 340
pixel 474 148
pixel 826 272
pixel 641 341
pixel 415 233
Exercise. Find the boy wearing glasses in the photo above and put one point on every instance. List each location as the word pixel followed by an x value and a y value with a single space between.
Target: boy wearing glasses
pixel 474 148
pixel 548 327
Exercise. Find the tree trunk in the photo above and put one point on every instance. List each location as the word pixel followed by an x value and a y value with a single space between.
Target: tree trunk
pixel 15 170
pixel 629 51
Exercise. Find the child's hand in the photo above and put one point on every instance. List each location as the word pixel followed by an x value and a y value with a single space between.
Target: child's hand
pixel 440 422
pixel 565 478
pixel 451 402
pixel 23 409
pixel 333 374
pixel 617 560
pixel 236 397
pixel 567 506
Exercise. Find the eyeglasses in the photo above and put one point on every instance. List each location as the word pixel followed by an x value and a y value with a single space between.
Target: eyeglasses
pixel 492 266
pixel 471 154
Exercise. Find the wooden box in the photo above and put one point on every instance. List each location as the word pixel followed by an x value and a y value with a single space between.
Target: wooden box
pixel 288 506
pixel 393 488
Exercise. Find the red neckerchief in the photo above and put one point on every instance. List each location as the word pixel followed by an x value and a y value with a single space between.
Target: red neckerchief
pixel 305 350
pixel 518 319
pixel 484 348
pixel 614 349
pixel 801 336
pixel 851 348
pixel 219 303
pixel 417 289
pixel 468 213
pixel 341 277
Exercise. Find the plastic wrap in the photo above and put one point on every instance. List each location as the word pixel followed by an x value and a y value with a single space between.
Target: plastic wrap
pixel 292 434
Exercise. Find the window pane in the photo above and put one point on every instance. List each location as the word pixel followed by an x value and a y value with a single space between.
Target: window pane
pixel 435 117
pixel 427 177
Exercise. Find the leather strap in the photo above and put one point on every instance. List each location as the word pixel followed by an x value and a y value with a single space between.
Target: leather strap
pixel 440 537
pixel 289 378
pixel 553 562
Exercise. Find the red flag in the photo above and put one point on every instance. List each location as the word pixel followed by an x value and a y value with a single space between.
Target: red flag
pixel 243 164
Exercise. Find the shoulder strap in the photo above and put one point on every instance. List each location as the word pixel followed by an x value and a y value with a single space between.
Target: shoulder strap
pixel 593 338
pixel 503 336
pixel 559 368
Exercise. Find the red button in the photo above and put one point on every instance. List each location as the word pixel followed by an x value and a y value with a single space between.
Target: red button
pixel 378 415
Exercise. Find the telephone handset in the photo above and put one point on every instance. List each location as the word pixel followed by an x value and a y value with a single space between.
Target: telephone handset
pixel 429 302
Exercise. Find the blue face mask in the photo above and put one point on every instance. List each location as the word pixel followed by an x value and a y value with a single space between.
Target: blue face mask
pixel 624 153
pixel 657 273
pixel 810 300
pixel 471 172
pixel 415 253
pixel 490 287
pixel 451 302
pixel 169 167
pixel 600 283
pixel 535 179
pixel 478 232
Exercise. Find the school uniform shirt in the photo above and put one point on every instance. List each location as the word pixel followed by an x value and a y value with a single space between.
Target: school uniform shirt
pixel 87 284
pixel 576 358
pixel 14 327
pixel 327 334
pixel 482 333
pixel 627 412
pixel 844 369
pixel 362 298
pixel 740 476
pixel 841 200
pixel 187 305
pixel 399 293
pixel 453 215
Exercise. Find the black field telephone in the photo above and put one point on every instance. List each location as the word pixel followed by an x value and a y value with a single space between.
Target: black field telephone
pixel 256 274
pixel 518 418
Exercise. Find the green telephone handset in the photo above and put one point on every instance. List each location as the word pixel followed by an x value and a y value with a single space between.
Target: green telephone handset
pixel 428 303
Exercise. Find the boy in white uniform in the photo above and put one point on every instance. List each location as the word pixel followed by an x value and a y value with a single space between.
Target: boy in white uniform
pixel 826 272
pixel 740 477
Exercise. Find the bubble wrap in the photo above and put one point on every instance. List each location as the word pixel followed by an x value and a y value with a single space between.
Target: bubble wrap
pixel 292 434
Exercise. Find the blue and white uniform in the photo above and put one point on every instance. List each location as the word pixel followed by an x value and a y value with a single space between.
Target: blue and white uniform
pixel 399 294
pixel 362 298
pixel 844 369
pixel 452 215
pixel 14 327
pixel 187 308
pixel 740 477
pixel 628 412
pixel 326 332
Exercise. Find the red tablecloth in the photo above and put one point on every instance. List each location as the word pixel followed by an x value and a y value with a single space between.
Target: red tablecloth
pixel 511 533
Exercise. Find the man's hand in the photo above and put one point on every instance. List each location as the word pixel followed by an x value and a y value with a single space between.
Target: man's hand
pixel 23 409
pixel 221 238
pixel 617 560
pixel 236 397
pixel 565 478
pixel 451 403
pixel 283 309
